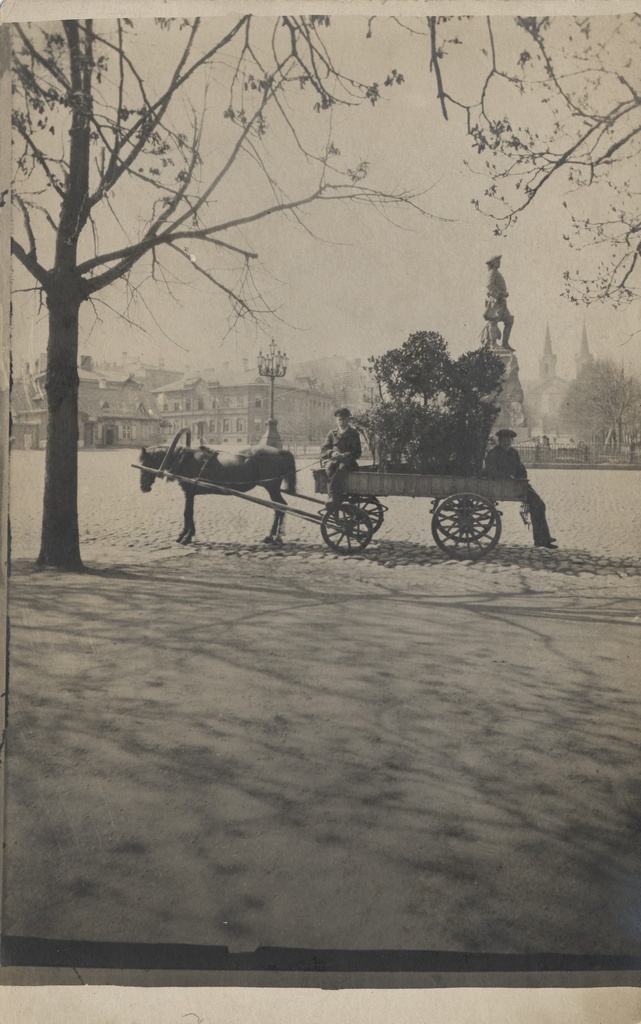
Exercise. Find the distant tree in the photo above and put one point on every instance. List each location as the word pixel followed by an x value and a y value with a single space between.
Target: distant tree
pixel 119 164
pixel 435 413
pixel 604 403
pixel 556 100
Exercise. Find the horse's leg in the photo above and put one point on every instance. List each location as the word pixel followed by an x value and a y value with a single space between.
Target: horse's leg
pixel 279 527
pixel 275 534
pixel 189 528
pixel 183 532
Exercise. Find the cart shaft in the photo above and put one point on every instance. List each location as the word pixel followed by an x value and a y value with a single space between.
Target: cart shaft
pixel 312 517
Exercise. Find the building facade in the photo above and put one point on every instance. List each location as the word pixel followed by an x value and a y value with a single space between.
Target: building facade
pixel 237 412
pixel 114 409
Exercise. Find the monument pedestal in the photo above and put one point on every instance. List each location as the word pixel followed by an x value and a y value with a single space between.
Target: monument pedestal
pixel 511 398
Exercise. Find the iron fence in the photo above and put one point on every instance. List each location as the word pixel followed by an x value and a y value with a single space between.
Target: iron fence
pixel 580 455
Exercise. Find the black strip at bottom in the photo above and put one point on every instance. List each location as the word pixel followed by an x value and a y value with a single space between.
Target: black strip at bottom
pixel 27 951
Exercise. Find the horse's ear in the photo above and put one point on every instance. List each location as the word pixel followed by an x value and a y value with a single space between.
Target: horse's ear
pixel 143 450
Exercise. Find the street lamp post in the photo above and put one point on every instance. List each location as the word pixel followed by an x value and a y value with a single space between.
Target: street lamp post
pixel 272 365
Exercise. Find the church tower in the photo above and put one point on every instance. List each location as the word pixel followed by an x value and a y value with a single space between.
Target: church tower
pixel 547 362
pixel 584 356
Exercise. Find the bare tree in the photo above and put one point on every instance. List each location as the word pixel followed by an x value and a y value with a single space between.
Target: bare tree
pixel 604 402
pixel 556 103
pixel 98 136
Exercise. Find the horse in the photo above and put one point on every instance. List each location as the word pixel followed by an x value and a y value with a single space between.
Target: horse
pixel 257 466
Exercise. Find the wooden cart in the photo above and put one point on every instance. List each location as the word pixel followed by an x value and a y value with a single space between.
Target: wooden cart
pixel 465 520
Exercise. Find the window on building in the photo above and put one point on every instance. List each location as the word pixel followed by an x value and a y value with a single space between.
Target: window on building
pixel 258 404
pixel 176 406
pixel 165 407
pixel 201 403
pixel 126 431
pixel 187 405
pixel 257 425
pixel 212 426
pixel 226 426
pixel 240 426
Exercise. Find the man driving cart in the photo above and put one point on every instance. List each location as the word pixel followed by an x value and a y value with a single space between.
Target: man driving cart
pixel 339 454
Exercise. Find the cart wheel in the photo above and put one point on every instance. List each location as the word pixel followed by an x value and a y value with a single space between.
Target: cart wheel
pixel 371 506
pixel 347 529
pixel 466 526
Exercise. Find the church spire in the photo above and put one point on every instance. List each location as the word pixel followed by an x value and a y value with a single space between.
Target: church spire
pixel 584 356
pixel 547 362
pixel 548 341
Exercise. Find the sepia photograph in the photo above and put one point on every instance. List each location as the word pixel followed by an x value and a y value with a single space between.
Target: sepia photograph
pixel 321 491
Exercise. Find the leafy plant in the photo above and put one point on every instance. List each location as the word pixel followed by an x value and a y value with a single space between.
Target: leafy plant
pixel 435 413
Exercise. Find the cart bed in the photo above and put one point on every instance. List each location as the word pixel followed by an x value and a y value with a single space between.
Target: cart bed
pixel 420 485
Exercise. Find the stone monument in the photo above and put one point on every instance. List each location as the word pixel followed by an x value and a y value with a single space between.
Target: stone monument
pixel 511 398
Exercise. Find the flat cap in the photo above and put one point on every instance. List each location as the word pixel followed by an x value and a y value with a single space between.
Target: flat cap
pixel 493 260
pixel 504 432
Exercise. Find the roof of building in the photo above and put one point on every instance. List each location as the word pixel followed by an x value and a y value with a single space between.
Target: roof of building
pixel 122 402
pixel 111 377
pixel 239 378
pixel 186 383
pixel 26 396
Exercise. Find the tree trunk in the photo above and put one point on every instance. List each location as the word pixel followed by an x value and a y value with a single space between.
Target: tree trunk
pixel 60 543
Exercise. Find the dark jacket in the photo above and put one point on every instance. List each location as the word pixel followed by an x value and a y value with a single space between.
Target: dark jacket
pixel 502 464
pixel 348 443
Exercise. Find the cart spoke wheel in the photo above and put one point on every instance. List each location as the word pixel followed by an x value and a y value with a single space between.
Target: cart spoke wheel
pixel 347 529
pixel 466 526
pixel 371 506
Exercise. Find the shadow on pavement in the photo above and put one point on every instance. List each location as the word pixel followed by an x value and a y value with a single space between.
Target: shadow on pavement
pixel 285 766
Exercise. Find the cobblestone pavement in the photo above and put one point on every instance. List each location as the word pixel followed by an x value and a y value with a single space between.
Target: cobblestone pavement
pixel 596 517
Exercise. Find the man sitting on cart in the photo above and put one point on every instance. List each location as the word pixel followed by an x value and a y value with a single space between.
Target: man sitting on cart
pixel 504 462
pixel 339 454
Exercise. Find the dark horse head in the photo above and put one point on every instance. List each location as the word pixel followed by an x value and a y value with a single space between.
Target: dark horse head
pixel 152 457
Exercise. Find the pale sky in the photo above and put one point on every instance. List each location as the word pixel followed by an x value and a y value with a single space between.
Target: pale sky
pixel 358 284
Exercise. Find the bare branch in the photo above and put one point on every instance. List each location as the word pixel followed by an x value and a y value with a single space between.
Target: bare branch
pixel 435 66
pixel 27 223
pixel 38 157
pixel 36 55
pixel 237 299
pixel 31 264
pixel 155 111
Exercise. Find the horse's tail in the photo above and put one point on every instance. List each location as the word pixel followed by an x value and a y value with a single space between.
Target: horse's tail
pixel 289 475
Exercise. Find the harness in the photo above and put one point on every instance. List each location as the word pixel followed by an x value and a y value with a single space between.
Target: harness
pixel 179 455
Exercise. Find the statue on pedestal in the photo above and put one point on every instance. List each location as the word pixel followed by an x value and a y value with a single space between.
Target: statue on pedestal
pixel 496 311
